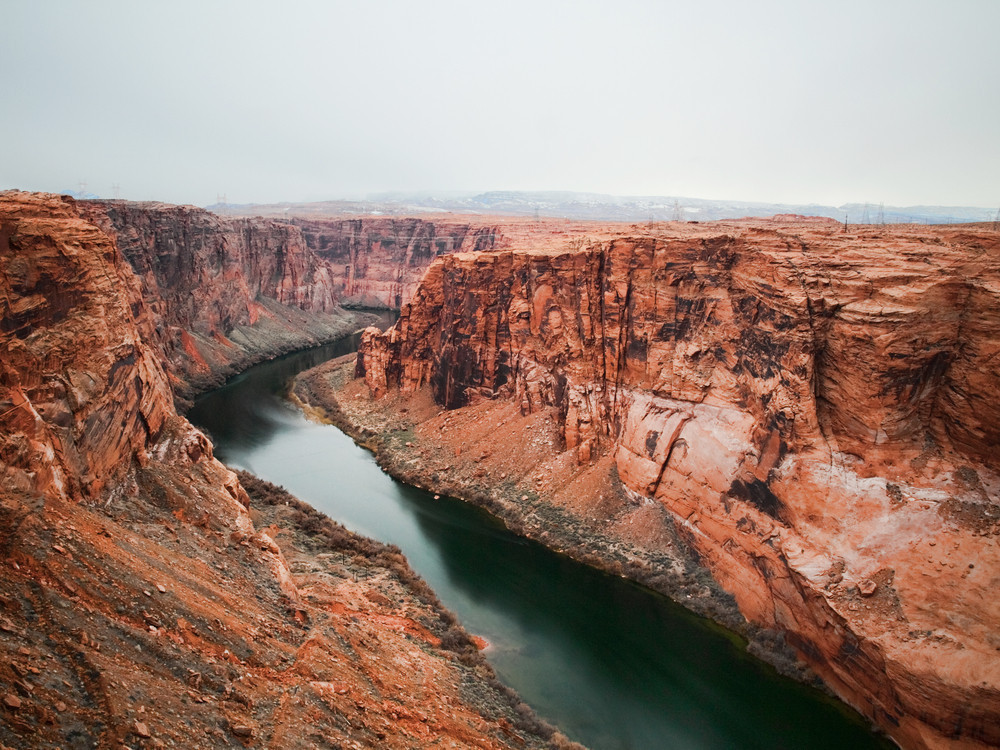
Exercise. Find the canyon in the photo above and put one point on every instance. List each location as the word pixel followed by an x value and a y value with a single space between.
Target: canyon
pixel 222 293
pixel 150 596
pixel 805 412
pixel 785 425
pixel 378 262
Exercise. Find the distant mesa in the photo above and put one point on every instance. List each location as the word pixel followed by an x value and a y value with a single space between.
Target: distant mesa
pixel 601 207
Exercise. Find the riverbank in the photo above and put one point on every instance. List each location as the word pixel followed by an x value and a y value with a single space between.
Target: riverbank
pixel 490 455
pixel 146 599
pixel 181 614
pixel 204 362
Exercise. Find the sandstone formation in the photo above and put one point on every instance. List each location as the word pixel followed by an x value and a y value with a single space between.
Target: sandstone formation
pixel 810 413
pixel 146 599
pixel 82 390
pixel 223 293
pixel 378 262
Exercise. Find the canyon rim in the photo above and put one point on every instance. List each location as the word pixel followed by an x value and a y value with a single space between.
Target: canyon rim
pixel 807 412
pixel 783 424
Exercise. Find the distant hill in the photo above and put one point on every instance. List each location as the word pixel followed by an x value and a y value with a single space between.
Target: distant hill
pixel 599 207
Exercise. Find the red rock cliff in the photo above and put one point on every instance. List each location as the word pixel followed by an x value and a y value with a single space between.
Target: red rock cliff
pixel 139 604
pixel 815 409
pixel 379 262
pixel 81 391
pixel 206 277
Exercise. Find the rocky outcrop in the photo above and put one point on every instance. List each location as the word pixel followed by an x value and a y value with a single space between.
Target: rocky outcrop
pixel 146 599
pixel 812 408
pixel 223 293
pixel 378 262
pixel 81 390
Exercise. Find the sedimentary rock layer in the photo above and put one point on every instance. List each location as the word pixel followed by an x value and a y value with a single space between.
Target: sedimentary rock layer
pixel 378 262
pixel 82 390
pixel 814 408
pixel 222 293
pixel 145 598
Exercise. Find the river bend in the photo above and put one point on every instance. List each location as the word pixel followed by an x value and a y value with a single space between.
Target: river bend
pixel 613 665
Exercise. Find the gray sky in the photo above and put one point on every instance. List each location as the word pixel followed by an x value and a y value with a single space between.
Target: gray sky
pixel 794 101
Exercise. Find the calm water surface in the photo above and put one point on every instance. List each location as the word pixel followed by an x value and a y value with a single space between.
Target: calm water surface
pixel 615 666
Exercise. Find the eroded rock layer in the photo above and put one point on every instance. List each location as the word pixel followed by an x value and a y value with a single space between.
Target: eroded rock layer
pixel 378 262
pixel 146 599
pixel 815 410
pixel 223 293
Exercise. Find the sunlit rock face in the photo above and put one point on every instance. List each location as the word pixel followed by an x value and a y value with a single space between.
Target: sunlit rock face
pixel 816 409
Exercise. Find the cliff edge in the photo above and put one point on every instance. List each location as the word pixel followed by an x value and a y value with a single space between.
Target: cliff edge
pixel 808 413
pixel 149 596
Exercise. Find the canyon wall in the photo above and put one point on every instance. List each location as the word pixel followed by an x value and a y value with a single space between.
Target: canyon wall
pixel 814 409
pixel 378 262
pixel 83 391
pixel 222 293
pixel 146 598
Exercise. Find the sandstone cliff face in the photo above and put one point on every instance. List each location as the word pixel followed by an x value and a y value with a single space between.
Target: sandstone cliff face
pixel 379 262
pixel 206 277
pixel 139 602
pixel 814 409
pixel 81 391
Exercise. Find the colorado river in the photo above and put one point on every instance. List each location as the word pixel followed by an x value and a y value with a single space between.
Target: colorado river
pixel 613 665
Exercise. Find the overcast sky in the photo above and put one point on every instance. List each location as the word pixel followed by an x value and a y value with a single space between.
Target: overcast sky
pixel 794 101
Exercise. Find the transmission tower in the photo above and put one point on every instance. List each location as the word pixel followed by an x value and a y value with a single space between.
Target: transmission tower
pixel 678 211
pixel 881 214
pixel 116 189
pixel 220 198
pixel 865 218
pixel 83 188
pixel 996 221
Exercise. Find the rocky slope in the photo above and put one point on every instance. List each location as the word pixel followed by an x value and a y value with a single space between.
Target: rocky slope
pixel 146 599
pixel 807 413
pixel 223 293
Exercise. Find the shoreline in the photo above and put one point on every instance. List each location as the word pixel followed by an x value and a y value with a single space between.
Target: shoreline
pixel 308 538
pixel 329 393
pixel 257 344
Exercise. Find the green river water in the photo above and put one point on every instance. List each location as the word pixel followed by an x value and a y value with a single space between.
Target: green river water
pixel 613 665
